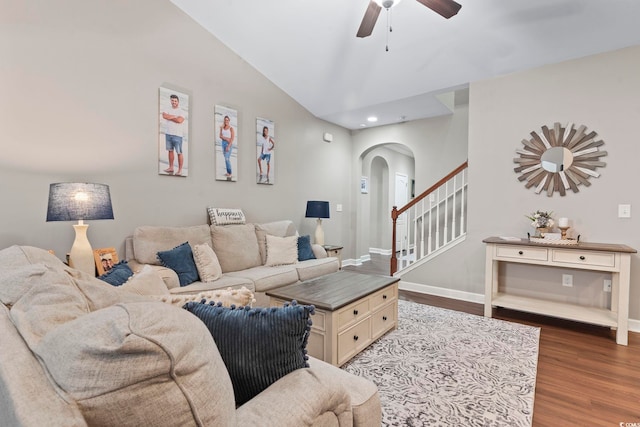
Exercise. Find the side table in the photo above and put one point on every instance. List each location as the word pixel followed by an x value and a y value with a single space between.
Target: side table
pixel 336 251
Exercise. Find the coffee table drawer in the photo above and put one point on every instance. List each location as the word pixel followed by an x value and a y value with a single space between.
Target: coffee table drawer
pixel 353 340
pixel 353 313
pixel 384 319
pixel 384 296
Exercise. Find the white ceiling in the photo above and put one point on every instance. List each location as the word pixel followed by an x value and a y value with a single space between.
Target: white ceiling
pixel 310 50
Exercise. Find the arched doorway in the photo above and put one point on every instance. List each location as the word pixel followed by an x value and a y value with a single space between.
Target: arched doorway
pixel 379 166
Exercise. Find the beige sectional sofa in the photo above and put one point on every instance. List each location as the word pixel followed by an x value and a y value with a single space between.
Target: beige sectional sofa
pixel 77 351
pixel 241 249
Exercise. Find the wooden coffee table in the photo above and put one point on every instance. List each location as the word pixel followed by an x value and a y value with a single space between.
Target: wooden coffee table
pixel 352 311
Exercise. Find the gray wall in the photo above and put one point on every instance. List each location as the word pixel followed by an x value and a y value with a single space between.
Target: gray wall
pixel 80 96
pixel 600 92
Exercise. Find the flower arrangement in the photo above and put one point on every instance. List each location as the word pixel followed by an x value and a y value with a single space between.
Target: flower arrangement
pixel 541 219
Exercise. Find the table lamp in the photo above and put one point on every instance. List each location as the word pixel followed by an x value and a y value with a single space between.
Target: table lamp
pixel 319 210
pixel 71 201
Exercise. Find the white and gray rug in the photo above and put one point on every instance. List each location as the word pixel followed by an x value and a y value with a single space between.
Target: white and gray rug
pixel 447 368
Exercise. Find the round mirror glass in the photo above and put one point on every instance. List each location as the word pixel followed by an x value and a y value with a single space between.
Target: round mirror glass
pixel 556 159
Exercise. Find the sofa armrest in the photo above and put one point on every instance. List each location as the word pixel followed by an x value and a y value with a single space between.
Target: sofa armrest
pixel 302 397
pixel 318 250
pixel 169 276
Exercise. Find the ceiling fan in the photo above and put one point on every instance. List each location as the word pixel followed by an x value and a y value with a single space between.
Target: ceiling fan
pixel 446 8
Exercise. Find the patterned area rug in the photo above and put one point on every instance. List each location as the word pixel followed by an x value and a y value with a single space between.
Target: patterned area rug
pixel 447 368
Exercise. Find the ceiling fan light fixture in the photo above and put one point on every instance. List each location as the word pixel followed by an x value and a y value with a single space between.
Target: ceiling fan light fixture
pixel 372 119
pixel 387 4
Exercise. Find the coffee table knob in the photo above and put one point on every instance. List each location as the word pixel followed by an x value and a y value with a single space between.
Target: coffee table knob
pixel 355 338
pixel 384 317
pixel 355 312
pixel 384 297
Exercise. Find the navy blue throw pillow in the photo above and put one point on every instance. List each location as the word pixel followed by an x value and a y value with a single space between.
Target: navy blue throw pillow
pixel 304 248
pixel 118 275
pixel 258 345
pixel 180 260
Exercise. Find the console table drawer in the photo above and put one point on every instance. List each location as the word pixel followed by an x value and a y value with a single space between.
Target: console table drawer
pixel 521 252
pixel 601 259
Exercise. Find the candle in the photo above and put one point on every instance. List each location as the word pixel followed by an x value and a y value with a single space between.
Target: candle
pixel 563 222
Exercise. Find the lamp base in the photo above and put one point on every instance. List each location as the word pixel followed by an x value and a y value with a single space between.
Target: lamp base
pixel 81 254
pixel 319 233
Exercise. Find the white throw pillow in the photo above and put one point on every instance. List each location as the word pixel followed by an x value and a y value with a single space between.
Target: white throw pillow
pixel 146 282
pixel 281 250
pixel 225 216
pixel 207 263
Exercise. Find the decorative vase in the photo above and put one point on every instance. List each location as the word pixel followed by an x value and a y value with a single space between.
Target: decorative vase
pixel 541 231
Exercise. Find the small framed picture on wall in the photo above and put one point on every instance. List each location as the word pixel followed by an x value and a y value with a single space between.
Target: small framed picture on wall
pixel 265 151
pixel 173 134
pixel 364 185
pixel 226 143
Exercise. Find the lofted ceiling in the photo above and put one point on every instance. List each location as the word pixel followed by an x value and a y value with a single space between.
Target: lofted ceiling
pixel 309 49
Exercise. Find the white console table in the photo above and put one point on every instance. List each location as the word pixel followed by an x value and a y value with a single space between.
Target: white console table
pixel 612 258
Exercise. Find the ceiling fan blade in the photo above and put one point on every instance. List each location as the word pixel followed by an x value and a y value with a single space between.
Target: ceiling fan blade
pixel 369 19
pixel 446 8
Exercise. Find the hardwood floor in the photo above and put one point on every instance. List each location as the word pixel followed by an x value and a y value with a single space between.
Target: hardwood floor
pixel 584 378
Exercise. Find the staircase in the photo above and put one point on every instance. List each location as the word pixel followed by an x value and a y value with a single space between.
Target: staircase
pixel 431 223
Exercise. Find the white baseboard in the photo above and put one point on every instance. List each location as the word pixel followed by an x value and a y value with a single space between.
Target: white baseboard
pixel 351 261
pixel 356 262
pixel 380 251
pixel 441 292
pixel 634 325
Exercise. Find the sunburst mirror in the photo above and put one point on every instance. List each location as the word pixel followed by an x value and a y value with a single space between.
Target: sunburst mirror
pixel 559 159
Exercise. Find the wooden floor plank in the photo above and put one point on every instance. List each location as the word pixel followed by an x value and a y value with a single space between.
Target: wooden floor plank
pixel 584 378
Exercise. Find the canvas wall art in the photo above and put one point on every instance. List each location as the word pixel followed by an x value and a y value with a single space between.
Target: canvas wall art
pixel 173 134
pixel 265 151
pixel 226 143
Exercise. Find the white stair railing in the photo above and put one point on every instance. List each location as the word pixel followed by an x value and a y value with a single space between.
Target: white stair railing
pixel 432 221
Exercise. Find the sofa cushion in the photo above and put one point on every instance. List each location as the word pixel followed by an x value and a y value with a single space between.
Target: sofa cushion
pixel 207 263
pixel 114 361
pixel 27 397
pixel 62 295
pixel 281 250
pixel 258 345
pixel 149 240
pixel 236 246
pixel 227 297
pixel 118 275
pixel 225 216
pixel 312 268
pixel 305 251
pixel 24 267
pixel 265 278
pixel 276 228
pixel 180 260
pixel 147 281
